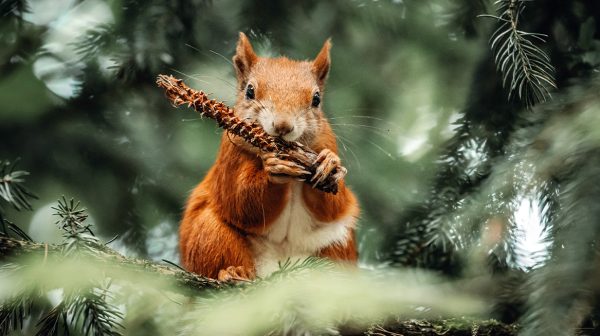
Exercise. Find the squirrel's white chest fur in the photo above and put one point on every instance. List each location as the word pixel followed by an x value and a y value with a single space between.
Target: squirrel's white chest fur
pixel 296 235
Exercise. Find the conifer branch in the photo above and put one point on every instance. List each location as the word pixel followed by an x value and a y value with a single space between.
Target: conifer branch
pixel 526 69
pixel 78 234
pixel 14 8
pixel 11 189
pixel 91 309
pixel 13 312
pixel 180 94
pixel 13 248
pixel 13 192
pixel 443 327
pixel 55 321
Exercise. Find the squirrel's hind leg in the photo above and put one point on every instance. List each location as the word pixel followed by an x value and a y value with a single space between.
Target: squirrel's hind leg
pixel 212 248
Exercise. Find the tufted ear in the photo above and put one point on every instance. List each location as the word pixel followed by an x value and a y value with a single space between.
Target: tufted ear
pixel 321 63
pixel 244 58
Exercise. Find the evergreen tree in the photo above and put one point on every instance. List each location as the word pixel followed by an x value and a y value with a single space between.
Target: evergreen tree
pixel 525 135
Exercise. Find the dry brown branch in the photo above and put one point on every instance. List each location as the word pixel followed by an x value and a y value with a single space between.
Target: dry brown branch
pixel 180 94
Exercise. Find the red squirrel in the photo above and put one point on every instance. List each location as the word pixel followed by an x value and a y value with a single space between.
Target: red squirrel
pixel 252 211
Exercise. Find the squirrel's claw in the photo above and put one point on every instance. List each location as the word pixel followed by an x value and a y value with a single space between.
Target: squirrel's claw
pixel 340 174
pixel 328 161
pixel 282 171
pixel 233 273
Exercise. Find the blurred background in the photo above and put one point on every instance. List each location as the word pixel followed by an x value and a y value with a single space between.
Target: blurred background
pixel 79 106
pixel 458 168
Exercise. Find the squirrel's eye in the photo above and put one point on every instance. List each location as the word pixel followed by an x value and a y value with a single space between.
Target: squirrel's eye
pixel 249 91
pixel 316 99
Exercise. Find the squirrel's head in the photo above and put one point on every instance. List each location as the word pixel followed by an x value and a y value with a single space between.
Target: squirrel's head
pixel 284 96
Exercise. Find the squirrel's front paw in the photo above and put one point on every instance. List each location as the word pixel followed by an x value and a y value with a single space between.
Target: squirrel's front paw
pixel 233 273
pixel 327 161
pixel 282 171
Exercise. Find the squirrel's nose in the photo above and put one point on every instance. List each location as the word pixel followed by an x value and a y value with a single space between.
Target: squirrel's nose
pixel 282 128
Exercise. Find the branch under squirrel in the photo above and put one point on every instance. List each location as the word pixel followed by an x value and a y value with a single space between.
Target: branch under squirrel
pixel 180 94
pixel 12 248
pixel 191 283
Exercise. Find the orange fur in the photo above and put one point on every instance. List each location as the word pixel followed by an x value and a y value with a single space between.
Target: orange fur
pixel 236 200
pixel 338 252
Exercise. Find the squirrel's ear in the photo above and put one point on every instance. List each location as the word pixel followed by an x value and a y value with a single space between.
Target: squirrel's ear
pixel 244 58
pixel 322 62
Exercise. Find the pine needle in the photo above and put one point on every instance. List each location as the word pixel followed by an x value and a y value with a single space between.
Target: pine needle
pixel 526 69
